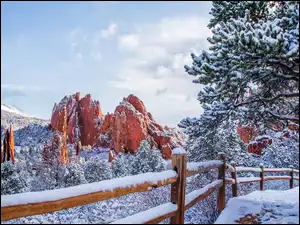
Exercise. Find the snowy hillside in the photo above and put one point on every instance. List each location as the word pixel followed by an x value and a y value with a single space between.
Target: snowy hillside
pixel 11 109
pixel 11 115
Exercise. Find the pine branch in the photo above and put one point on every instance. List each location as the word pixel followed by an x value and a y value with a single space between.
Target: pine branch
pixel 287 95
pixel 283 117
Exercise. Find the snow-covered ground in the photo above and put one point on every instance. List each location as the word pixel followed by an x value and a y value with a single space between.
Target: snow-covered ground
pixel 265 207
pixel 11 109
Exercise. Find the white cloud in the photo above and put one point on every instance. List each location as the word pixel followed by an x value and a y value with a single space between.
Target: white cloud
pixel 129 41
pixel 158 53
pixel 110 31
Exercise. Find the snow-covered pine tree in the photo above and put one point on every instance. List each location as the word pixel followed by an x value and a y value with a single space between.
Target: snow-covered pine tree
pixel 45 178
pixel 71 174
pixel 225 139
pixel 13 179
pixel 223 11
pixel 251 71
pixel 147 160
pixel 120 166
pixel 96 169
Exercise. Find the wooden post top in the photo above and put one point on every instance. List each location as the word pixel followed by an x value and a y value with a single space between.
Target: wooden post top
pixel 261 166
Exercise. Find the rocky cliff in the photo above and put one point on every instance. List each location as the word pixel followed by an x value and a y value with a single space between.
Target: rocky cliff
pixel 121 131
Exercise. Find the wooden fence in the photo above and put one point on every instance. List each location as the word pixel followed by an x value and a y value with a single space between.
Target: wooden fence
pixel 261 179
pixel 179 201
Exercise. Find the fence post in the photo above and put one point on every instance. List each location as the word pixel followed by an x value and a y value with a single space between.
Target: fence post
pixel 262 175
pixel 178 188
pixel 234 177
pixel 221 193
pixel 292 179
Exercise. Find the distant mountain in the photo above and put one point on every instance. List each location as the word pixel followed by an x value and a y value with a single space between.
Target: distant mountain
pixel 12 115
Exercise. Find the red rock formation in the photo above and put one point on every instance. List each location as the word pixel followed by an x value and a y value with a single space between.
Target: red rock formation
pixel 8 148
pixel 122 130
pixel 11 144
pixel 131 123
pixel 52 150
pixel 89 119
pixel 88 115
pixel 246 133
pixel 63 127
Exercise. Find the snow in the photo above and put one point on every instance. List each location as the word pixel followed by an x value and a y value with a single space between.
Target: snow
pixel 178 151
pixel 277 177
pixel 277 169
pixel 12 109
pixel 105 185
pixel 194 166
pixel 194 194
pixel 247 169
pixel 270 207
pixel 166 208
pixel 247 179
pixel 143 217
pixel 18 148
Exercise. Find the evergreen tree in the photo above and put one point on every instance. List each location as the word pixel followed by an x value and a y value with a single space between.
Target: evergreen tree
pixel 120 166
pixel 45 178
pixel 223 11
pixel 96 170
pixel 147 160
pixel 225 139
pixel 70 175
pixel 13 179
pixel 251 71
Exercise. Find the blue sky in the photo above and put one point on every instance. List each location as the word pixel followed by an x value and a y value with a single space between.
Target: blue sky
pixel 107 49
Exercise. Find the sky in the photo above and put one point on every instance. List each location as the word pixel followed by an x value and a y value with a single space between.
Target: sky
pixel 108 49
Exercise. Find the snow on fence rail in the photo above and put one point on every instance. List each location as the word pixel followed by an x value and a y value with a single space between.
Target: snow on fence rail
pixel 35 203
pixel 200 194
pixel 150 216
pixel 200 167
pixel 161 212
pixel 234 180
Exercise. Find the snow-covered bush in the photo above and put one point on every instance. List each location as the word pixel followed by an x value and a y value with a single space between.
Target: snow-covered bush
pixel 14 179
pixel 74 175
pixel 121 166
pixel 45 178
pixel 96 169
pixel 146 160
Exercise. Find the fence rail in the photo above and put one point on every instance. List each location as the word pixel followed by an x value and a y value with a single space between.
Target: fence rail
pixel 25 204
pixel 234 180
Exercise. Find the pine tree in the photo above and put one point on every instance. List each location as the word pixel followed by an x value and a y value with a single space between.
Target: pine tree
pixel 251 71
pixel 70 175
pixel 96 170
pixel 147 160
pixel 120 166
pixel 223 11
pixel 13 179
